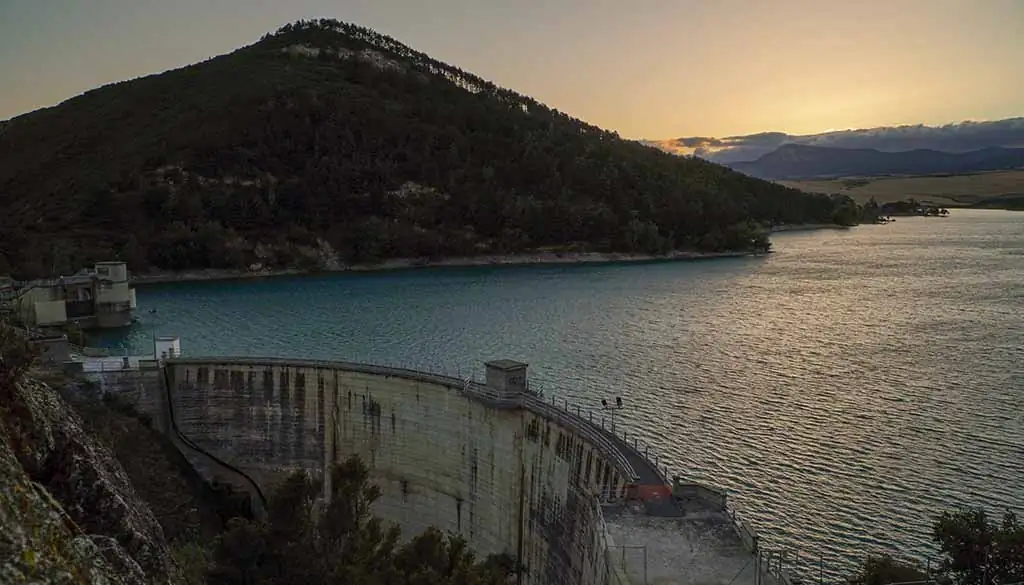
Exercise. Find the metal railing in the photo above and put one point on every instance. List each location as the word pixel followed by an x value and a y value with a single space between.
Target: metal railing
pixel 585 429
pixel 794 566
pixel 617 554
pixel 90 351
pixel 621 439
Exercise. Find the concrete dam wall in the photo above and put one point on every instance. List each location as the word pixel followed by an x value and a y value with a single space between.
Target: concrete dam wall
pixel 489 461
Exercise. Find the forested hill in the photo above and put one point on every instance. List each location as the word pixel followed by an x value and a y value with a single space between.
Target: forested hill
pixel 324 140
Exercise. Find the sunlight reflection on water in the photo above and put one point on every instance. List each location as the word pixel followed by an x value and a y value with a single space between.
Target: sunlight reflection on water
pixel 845 389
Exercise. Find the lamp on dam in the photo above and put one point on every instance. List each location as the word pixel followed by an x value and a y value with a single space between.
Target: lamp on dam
pixel 152 331
pixel 612 409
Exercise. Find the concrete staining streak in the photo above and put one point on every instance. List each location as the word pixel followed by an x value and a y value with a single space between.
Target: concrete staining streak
pixel 491 462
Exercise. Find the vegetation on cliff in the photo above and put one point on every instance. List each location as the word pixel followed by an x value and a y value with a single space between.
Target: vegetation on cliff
pixel 328 143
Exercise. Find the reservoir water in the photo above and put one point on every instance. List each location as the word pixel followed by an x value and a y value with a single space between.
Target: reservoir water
pixel 844 389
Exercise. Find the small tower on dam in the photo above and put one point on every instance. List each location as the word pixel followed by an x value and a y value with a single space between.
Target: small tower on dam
pixel 166 347
pixel 507 376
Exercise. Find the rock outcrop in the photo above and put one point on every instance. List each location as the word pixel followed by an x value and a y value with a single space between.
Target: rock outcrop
pixel 38 541
pixel 68 513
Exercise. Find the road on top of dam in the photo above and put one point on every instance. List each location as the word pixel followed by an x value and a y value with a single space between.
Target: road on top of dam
pixel 655 492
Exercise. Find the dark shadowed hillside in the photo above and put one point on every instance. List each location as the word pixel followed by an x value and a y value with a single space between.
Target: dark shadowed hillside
pixel 327 143
pixel 798 161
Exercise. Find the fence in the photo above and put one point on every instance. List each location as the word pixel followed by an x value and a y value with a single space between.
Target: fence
pixel 793 567
pixel 631 562
pixel 597 418
pixel 614 429
pixel 90 351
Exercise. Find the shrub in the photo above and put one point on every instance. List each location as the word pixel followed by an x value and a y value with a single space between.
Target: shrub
pixel 17 355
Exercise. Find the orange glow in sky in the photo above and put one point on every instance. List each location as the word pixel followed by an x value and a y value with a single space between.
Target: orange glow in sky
pixel 645 68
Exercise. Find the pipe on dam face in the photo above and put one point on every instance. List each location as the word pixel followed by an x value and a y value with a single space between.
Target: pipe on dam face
pixel 258 498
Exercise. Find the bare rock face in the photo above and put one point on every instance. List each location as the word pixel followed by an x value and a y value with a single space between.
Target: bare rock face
pixel 39 542
pixel 57 476
pixel 116 558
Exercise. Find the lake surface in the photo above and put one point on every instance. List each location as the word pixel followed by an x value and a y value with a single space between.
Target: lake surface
pixel 844 389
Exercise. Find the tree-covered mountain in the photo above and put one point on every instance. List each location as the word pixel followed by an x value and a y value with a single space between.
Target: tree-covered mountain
pixel 331 138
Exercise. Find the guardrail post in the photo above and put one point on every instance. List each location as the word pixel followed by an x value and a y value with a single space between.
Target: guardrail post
pixel 645 564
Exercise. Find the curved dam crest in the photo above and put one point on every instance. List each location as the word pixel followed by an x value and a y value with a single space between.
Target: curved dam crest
pixel 490 461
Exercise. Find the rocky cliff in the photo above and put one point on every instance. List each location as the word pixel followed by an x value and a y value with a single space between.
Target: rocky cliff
pixel 68 513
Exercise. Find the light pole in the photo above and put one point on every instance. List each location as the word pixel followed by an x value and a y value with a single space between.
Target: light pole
pixel 152 330
pixel 612 409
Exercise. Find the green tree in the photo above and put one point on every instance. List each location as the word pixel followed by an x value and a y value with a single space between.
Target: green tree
pixel 870 211
pixel 847 212
pixel 133 253
pixel 883 570
pixel 17 355
pixel 978 550
pixel 304 541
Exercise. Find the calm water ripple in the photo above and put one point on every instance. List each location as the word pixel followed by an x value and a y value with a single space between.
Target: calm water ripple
pixel 844 389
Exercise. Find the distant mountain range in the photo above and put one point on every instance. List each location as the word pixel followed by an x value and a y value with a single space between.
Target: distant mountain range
pixel 798 161
pixel 960 137
pixel 916 149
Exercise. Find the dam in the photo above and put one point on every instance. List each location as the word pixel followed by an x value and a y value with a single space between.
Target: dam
pixel 572 499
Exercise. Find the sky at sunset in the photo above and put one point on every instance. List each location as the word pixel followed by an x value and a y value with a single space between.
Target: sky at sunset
pixel 645 68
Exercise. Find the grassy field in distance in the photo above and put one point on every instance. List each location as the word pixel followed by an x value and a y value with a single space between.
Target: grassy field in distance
pixel 945 190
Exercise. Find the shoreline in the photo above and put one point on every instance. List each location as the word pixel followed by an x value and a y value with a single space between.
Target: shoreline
pixel 535 259
pixel 532 259
pixel 806 227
